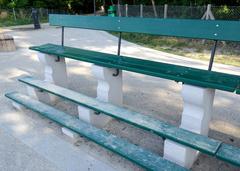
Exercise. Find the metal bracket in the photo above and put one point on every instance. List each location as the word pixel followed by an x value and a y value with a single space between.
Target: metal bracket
pixel 57 59
pixel 97 113
pixel 118 53
pixel 212 55
pixel 40 90
pixel 117 73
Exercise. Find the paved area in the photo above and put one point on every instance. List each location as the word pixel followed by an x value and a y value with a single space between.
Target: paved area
pixel 155 97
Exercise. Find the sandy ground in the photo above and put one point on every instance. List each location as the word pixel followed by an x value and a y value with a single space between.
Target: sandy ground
pixel 155 97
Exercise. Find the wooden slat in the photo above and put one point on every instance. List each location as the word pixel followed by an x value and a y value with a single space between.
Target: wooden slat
pixel 190 139
pixel 197 29
pixel 229 154
pixel 140 156
pixel 192 76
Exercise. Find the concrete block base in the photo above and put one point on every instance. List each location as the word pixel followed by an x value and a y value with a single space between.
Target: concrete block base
pixel 180 154
pixel 197 111
pixel 109 89
pixel 69 133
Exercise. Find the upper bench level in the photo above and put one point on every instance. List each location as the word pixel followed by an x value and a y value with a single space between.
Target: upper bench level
pixel 192 76
pixel 194 29
pixel 197 29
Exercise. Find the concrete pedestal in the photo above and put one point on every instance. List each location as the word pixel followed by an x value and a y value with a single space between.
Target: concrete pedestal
pixel 109 89
pixel 54 72
pixel 197 110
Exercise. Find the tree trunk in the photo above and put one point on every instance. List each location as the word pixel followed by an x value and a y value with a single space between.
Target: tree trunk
pixel 154 8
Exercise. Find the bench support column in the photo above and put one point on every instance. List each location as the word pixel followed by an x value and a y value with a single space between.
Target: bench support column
pixel 54 72
pixel 109 89
pixel 197 110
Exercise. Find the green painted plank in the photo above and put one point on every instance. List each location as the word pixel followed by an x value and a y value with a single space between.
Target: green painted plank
pixel 118 145
pixel 163 129
pixel 238 91
pixel 197 29
pixel 192 76
pixel 229 154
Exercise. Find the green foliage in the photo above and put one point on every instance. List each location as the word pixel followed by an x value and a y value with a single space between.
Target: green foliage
pixel 78 6
pixel 11 4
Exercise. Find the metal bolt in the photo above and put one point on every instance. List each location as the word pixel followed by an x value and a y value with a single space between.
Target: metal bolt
pixel 215 34
pixel 217 25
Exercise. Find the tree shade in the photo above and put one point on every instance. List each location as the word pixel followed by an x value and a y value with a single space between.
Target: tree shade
pixel 86 6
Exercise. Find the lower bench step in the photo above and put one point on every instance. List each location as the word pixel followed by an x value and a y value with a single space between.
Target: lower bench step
pixel 136 154
pixel 163 129
pixel 229 154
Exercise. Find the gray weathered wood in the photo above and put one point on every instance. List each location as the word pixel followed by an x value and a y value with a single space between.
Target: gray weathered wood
pixel 140 156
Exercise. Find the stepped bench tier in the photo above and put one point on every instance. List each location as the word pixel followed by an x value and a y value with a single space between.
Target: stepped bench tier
pixel 163 129
pixel 134 153
pixel 185 28
pixel 199 142
pixel 192 76
pixel 229 154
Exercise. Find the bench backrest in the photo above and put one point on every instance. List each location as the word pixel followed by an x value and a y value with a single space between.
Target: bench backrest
pixel 194 29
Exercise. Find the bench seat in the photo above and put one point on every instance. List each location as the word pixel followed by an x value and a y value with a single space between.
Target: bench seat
pixel 138 155
pixel 192 76
pixel 163 129
pixel 229 154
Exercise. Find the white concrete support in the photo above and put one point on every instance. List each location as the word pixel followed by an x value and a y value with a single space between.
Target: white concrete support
pixel 69 133
pixel 197 110
pixel 109 89
pixel 54 72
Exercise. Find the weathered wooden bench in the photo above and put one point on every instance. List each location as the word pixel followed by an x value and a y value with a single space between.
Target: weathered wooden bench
pixel 108 68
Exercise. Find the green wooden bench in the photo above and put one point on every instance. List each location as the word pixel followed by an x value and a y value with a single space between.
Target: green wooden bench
pixel 194 29
pixel 192 76
pixel 199 142
pixel 202 143
pixel 160 128
pixel 138 155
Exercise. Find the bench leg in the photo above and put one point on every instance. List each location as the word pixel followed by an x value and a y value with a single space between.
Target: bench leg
pixel 109 89
pixel 54 72
pixel 197 110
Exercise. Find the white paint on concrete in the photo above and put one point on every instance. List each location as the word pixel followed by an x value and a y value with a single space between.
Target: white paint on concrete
pixel 109 89
pixel 54 72
pixel 196 116
pixel 69 133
